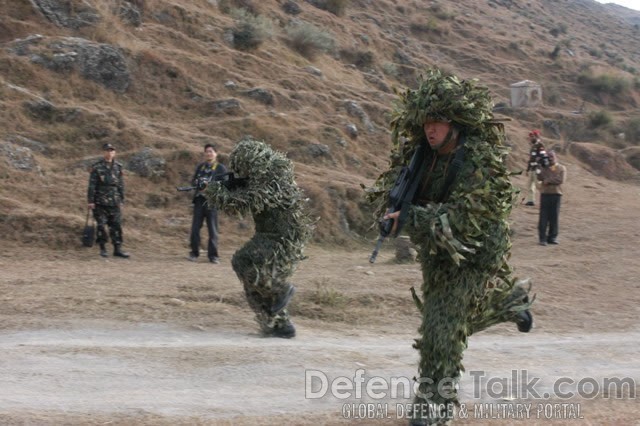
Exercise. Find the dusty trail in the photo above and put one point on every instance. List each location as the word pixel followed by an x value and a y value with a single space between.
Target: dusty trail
pixel 216 375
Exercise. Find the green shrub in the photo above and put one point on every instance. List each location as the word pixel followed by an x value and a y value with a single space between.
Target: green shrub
pixel 228 6
pixel 604 83
pixel 441 13
pixel 431 26
pixel 308 40
pixel 390 69
pixel 337 7
pixel 600 118
pixel 359 58
pixel 250 30
pixel 632 130
pixel 560 29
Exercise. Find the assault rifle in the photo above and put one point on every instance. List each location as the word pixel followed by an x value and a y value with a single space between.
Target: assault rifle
pixel 401 196
pixel 228 180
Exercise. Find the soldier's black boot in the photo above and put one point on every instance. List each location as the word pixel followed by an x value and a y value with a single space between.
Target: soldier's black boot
pixel 285 330
pixel 282 299
pixel 103 250
pixel 117 252
pixel 524 321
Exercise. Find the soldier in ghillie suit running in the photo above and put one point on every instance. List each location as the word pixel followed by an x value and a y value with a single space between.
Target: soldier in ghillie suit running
pixel 458 220
pixel 267 190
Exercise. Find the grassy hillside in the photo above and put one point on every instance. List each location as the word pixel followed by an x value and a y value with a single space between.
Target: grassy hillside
pixel 160 78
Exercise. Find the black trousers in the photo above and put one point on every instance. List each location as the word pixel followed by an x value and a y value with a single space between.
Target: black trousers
pixel 202 213
pixel 549 213
pixel 110 216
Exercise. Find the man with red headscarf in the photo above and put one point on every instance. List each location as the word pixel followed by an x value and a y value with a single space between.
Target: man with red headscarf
pixel 536 153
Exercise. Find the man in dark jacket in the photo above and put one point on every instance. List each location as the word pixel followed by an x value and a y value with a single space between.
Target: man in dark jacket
pixel 205 173
pixel 105 197
pixel 551 179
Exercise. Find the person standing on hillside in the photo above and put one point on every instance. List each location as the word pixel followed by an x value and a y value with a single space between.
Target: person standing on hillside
pixel 106 198
pixel 536 152
pixel 551 179
pixel 203 212
pixel 458 219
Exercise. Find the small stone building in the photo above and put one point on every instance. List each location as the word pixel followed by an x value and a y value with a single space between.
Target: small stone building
pixel 525 94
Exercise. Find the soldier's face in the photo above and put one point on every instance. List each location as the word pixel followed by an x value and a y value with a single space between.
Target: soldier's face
pixel 110 154
pixel 436 132
pixel 210 155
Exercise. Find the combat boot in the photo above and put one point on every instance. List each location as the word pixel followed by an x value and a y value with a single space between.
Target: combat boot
pixel 103 250
pixel 285 330
pixel 524 321
pixel 282 299
pixel 117 252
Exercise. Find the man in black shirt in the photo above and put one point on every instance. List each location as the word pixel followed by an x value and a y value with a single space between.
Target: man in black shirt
pixel 205 172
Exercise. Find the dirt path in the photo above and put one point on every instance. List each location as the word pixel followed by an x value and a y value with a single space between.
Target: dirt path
pixel 174 372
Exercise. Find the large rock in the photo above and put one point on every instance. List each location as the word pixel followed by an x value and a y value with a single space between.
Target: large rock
pixel 261 95
pixel 19 157
pixel 102 63
pixel 147 164
pixel 223 106
pixel 602 160
pixel 354 110
pixel 67 13
pixel 130 13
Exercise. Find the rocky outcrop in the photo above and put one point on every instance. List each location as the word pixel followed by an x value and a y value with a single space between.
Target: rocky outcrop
pixel 147 164
pixel 19 157
pixel 102 63
pixel 67 13
pixel 261 95
pixel 354 110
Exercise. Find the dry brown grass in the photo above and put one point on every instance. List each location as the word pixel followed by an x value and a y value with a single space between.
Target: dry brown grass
pixel 179 61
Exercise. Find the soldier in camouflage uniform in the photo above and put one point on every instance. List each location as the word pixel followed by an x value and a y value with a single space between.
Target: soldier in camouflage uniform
pixel 265 263
pixel 105 198
pixel 458 221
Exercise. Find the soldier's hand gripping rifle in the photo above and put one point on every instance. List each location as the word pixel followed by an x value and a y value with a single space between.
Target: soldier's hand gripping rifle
pixel 228 180
pixel 401 196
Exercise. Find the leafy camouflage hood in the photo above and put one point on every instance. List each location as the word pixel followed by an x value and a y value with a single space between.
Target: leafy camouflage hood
pixel 260 163
pixel 440 97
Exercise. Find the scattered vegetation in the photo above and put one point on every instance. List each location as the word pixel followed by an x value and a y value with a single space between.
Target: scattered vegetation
pixel 337 7
pixel 309 40
pixel 559 29
pixel 598 119
pixel 632 130
pixel 441 13
pixel 431 26
pixel 326 296
pixel 250 30
pixel 227 6
pixel 359 58
pixel 604 83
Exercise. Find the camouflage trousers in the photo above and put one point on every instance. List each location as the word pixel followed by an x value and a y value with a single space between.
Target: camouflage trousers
pixel 258 266
pixel 110 216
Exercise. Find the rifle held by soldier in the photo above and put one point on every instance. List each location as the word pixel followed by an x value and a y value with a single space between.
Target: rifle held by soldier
pixel 228 180
pixel 401 197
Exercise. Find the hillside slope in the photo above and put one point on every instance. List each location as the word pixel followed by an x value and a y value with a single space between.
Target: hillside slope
pixel 159 78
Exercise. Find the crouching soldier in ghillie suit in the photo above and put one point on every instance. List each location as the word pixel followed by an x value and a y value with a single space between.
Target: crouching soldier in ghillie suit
pixel 458 220
pixel 267 190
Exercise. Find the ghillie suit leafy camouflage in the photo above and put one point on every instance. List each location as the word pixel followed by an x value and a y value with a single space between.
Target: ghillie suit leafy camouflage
pixel 461 231
pixel 282 228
